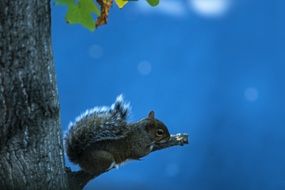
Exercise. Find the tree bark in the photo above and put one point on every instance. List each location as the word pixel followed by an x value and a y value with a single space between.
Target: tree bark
pixel 31 151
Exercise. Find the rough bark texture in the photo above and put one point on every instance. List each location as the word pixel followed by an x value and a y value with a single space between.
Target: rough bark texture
pixel 30 141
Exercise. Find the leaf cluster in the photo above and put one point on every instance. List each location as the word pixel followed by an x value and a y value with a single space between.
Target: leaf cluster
pixel 88 14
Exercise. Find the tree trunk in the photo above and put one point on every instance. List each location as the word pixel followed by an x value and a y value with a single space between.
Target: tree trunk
pixel 31 152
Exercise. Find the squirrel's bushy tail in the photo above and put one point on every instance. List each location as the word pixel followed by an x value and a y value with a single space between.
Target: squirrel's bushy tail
pixel 84 131
pixel 120 109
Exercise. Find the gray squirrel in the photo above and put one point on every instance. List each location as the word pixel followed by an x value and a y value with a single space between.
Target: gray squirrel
pixel 101 138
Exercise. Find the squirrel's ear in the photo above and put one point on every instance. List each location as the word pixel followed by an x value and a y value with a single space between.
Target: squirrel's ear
pixel 151 115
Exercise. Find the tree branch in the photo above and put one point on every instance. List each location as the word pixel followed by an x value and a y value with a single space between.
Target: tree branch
pixel 175 140
pixel 78 179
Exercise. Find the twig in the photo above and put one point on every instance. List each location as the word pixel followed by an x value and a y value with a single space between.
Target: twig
pixel 175 140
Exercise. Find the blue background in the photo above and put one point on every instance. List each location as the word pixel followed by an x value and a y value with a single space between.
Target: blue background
pixel 220 79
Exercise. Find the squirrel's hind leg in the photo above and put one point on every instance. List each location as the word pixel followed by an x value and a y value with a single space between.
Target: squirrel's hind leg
pixel 97 162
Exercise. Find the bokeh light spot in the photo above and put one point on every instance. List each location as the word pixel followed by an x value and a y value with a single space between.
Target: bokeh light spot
pixel 95 51
pixel 251 94
pixel 172 170
pixel 210 8
pixel 144 68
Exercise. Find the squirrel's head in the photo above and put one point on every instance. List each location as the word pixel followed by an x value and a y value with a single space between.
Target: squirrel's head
pixel 156 129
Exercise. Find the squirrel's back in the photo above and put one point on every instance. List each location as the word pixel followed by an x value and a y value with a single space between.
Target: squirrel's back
pixel 97 124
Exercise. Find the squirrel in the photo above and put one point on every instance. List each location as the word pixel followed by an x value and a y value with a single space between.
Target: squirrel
pixel 101 138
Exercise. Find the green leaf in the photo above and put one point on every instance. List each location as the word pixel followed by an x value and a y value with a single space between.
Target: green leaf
pixel 153 2
pixel 81 12
pixel 121 3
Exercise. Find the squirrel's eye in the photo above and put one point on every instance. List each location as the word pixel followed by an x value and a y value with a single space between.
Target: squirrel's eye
pixel 159 132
